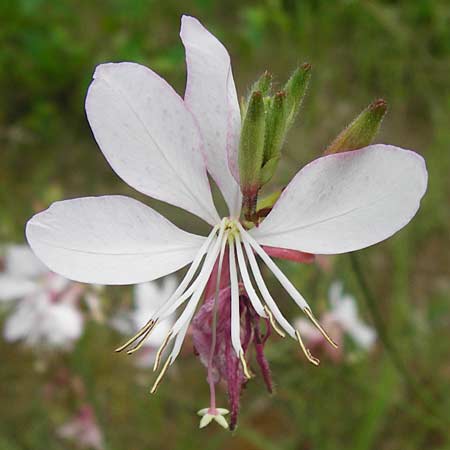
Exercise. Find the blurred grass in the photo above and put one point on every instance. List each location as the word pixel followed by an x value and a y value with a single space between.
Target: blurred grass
pixel 360 50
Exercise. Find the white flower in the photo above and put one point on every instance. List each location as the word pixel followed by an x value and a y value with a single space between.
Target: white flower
pixel 341 318
pixel 47 312
pixel 148 297
pixel 344 311
pixel 164 146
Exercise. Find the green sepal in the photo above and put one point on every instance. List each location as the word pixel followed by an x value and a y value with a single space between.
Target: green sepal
pixel 361 131
pixel 268 170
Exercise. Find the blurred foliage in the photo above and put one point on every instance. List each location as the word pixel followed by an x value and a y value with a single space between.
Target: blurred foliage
pixel 360 50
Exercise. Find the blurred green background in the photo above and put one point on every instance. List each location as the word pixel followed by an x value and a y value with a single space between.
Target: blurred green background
pixel 360 50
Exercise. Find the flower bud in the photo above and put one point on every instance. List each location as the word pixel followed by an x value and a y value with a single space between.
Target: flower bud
pixel 264 85
pixel 274 135
pixel 361 131
pixel 281 112
pixel 251 148
pixel 295 89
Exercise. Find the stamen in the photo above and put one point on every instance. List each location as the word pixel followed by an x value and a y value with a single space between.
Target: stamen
pixel 256 303
pixel 235 317
pixel 162 311
pixel 160 351
pixel 306 351
pixel 160 376
pixel 288 286
pixel 310 316
pixel 182 324
pixel 199 284
pixel 245 368
pixel 265 292
pixel 149 324
pixel 168 308
pixel 273 323
pixel 141 342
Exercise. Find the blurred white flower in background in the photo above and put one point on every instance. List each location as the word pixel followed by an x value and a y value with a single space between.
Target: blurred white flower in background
pixel 341 319
pixel 148 297
pixel 83 430
pixel 47 311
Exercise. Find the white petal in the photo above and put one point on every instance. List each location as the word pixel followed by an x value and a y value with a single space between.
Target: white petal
pixel 211 96
pixel 109 240
pixel 20 261
pixel 346 201
pixel 12 287
pixel 62 324
pixel 20 322
pixel 149 137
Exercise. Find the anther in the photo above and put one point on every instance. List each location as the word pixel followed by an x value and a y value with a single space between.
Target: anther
pixel 245 368
pixel 273 323
pixel 309 357
pixel 310 316
pixel 144 337
pixel 143 330
pixel 161 375
pixel 160 351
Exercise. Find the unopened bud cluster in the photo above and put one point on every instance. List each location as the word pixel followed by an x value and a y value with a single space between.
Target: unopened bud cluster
pixel 268 116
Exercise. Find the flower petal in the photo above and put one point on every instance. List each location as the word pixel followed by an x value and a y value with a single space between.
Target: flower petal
pixel 109 240
pixel 13 287
pixel 20 261
pixel 149 137
pixel 211 96
pixel 347 201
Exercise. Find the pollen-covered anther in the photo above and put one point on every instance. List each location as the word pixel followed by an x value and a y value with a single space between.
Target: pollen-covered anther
pixel 144 337
pixel 312 359
pixel 143 331
pixel 245 367
pixel 273 323
pixel 160 351
pixel 310 316
pixel 161 375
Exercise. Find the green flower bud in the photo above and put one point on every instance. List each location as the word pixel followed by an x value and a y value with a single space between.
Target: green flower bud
pixel 264 85
pixel 275 133
pixel 361 131
pixel 295 89
pixel 251 151
pixel 281 112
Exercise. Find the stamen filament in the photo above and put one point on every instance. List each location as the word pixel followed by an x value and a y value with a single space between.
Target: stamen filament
pixel 182 324
pixel 235 318
pixel 168 308
pixel 160 351
pixel 254 299
pixel 212 350
pixel 160 376
pixel 288 286
pixel 265 292
pixel 306 351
